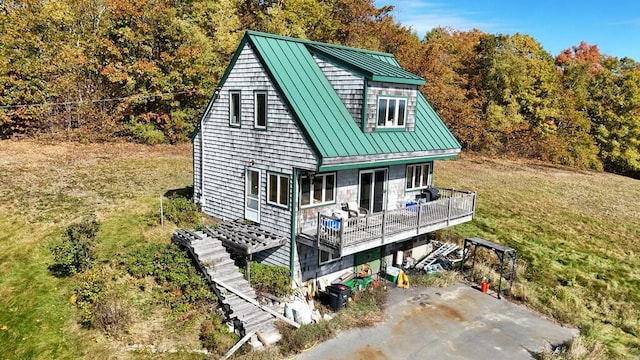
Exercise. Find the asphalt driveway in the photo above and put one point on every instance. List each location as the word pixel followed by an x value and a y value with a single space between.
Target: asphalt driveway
pixel 457 322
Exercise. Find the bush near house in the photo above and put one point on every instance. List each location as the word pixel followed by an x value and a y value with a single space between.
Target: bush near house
pixel 182 211
pixel 274 280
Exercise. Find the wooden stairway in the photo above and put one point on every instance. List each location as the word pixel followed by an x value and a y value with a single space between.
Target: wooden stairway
pixel 235 296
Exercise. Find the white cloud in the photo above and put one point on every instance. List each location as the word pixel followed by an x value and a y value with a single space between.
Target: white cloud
pixel 423 16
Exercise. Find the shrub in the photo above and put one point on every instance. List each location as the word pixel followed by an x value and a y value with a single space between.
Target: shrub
pixel 441 279
pixel 296 340
pixel 270 279
pixel 216 336
pixel 91 286
pixel 74 253
pixel 179 284
pixel 182 211
pixel 100 304
pixel 146 133
pixel 111 314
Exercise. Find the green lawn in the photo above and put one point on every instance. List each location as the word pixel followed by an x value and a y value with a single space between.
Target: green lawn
pixel 578 233
pixel 47 187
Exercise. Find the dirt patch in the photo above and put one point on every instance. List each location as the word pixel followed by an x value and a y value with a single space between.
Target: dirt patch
pixel 371 353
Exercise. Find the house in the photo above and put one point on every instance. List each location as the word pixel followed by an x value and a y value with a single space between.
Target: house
pixel 327 147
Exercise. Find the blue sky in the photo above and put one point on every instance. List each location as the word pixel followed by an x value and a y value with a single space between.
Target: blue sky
pixel 613 25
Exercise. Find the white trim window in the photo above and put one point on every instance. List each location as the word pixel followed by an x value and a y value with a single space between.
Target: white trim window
pixel 234 108
pixel 260 109
pixel 392 111
pixel 278 189
pixel 418 176
pixel 317 189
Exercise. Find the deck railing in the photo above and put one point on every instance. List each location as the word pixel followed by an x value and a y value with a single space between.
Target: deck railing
pixel 342 233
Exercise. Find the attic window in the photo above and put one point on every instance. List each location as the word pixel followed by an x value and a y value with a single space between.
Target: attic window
pixel 260 109
pixel 392 112
pixel 234 108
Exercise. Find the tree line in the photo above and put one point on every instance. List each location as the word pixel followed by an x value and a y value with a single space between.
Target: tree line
pixel 145 69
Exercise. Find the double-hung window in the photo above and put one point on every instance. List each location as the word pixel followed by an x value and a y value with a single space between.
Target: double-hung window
pixel 418 176
pixel 278 189
pixel 260 109
pixel 392 112
pixel 317 189
pixel 234 108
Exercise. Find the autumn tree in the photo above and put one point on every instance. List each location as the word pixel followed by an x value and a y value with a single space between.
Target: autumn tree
pixel 614 110
pixel 158 64
pixel 449 63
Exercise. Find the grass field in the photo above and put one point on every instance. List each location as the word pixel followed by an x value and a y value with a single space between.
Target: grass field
pixel 578 233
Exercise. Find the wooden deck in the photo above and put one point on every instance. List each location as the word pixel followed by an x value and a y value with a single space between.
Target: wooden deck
pixel 353 235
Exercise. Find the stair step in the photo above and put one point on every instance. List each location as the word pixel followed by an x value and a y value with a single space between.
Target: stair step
pixel 223 271
pixel 244 290
pixel 262 326
pixel 215 251
pixel 229 278
pixel 254 316
pixel 243 308
pixel 272 335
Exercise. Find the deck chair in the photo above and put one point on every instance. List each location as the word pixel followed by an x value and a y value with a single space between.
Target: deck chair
pixel 354 210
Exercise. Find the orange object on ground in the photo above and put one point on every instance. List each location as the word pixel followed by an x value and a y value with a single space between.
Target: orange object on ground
pixel 484 286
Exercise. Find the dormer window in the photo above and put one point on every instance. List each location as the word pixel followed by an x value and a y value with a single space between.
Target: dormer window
pixel 392 112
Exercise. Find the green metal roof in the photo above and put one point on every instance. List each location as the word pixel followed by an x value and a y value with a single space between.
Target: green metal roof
pixel 325 120
pixel 373 67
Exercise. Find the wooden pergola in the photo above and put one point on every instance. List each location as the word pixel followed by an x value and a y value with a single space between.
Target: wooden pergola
pixel 244 240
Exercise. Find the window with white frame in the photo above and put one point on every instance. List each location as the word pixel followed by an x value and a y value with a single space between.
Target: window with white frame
pixel 278 189
pixel 234 108
pixel 260 109
pixel 418 176
pixel 391 111
pixel 317 189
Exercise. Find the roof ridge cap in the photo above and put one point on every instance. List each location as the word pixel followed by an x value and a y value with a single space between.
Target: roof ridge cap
pixel 315 43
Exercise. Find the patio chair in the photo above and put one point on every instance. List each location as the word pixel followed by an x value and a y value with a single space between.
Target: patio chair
pixel 354 210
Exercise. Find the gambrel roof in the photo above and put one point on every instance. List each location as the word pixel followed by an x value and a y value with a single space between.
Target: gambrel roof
pixel 336 138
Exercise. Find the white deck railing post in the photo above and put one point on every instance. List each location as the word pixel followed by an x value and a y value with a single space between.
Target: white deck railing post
pixel 319 228
pixel 383 223
pixel 419 217
pixel 341 234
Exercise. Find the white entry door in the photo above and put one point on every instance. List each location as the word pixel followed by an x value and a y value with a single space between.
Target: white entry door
pixel 252 198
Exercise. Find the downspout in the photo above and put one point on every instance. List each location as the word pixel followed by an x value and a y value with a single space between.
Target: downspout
pixel 294 212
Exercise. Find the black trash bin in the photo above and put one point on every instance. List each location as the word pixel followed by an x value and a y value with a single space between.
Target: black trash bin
pixel 338 296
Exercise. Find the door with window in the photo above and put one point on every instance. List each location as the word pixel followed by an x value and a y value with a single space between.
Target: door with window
pixel 252 197
pixel 373 189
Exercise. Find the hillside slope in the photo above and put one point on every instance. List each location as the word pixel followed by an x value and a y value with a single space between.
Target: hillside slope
pixel 578 232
